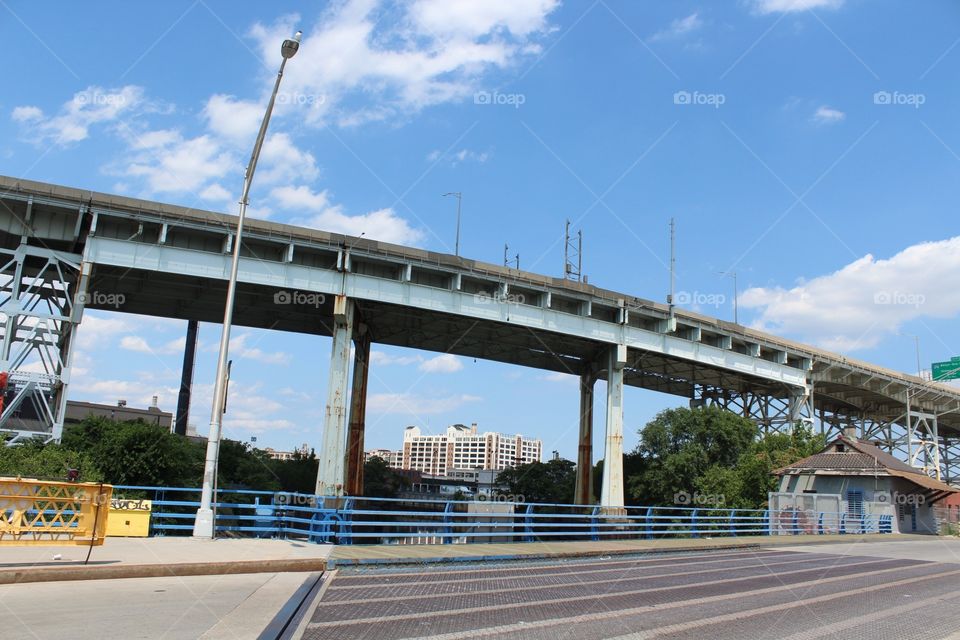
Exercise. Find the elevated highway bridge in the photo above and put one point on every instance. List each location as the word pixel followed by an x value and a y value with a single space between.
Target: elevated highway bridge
pixel 63 250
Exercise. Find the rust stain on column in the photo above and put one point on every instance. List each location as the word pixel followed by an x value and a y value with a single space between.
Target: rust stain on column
pixel 358 410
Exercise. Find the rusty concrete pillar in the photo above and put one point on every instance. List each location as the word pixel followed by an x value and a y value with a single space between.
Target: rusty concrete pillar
pixel 584 490
pixel 331 476
pixel 611 491
pixel 358 412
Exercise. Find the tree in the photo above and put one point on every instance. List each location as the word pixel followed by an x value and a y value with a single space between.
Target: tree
pixel 550 482
pixel 678 448
pixel 240 466
pixel 47 462
pixel 382 481
pixel 137 453
pixel 773 451
pixel 298 474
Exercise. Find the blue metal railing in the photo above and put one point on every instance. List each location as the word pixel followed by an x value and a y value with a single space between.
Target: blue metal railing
pixel 408 521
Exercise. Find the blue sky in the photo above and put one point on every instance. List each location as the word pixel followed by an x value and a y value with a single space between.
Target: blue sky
pixel 811 146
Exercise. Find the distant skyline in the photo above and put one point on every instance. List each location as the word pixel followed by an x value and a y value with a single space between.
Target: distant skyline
pixel 809 146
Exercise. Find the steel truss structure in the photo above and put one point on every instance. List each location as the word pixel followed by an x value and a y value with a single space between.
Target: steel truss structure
pixel 912 436
pixel 40 309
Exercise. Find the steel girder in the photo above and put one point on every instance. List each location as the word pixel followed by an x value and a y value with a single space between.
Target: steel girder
pixel 42 295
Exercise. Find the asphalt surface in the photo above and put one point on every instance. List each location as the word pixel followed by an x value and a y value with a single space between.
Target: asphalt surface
pixel 772 593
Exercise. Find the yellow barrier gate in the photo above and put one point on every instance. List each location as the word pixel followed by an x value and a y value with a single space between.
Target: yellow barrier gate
pixel 36 512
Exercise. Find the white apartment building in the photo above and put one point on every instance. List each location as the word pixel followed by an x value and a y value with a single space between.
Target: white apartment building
pixel 461 447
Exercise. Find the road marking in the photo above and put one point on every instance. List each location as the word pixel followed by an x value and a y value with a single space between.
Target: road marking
pixel 383 584
pixel 850 623
pixel 606 615
pixel 571 564
pixel 576 583
pixel 516 605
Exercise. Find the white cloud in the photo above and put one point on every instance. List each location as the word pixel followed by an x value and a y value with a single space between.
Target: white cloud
pixel 137 393
pixel 140 345
pixel 679 27
pixel 444 363
pixel 26 114
pixel 169 163
pixel 93 105
pixel 238 346
pixel 97 330
pixel 429 52
pixel 791 6
pixel 383 224
pixel 564 378
pixel 458 157
pixel 381 358
pixel 865 301
pixel 281 159
pixel 827 115
pixel 216 193
pixel 414 405
pixel 233 119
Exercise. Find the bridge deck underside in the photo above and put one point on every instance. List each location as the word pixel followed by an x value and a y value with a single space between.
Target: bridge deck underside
pixel 187 297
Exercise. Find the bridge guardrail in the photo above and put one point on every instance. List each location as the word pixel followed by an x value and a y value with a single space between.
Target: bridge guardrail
pixel 358 520
pixel 38 512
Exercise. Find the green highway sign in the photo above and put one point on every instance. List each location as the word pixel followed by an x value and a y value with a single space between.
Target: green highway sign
pixel 946 370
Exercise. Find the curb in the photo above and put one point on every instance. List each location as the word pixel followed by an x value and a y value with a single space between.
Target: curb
pixel 353 562
pixel 21 576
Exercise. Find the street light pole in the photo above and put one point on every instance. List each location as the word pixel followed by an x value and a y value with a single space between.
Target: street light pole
pixel 459 196
pixel 733 274
pixel 203 526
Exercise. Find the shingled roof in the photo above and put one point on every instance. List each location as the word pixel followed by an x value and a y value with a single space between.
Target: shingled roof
pixel 857 455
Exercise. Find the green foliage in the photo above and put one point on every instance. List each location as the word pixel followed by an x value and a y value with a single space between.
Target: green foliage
pixel 553 481
pixel 711 452
pixel 137 453
pixel 679 446
pixel 298 474
pixel 241 466
pixel 380 480
pixel 47 462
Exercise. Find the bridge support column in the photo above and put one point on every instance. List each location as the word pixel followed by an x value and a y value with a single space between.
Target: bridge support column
pixel 358 412
pixel 584 490
pixel 611 492
pixel 331 476
pixel 186 379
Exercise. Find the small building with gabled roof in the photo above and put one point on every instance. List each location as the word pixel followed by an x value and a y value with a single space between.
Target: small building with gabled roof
pixel 868 480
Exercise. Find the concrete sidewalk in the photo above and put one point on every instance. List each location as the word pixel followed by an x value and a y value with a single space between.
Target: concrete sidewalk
pixel 346 555
pixel 159 557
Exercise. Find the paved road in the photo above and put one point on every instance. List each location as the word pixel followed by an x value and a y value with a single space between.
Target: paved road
pixel 730 594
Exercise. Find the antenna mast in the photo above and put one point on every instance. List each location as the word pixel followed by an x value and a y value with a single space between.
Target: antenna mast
pixel 572 255
pixel 673 263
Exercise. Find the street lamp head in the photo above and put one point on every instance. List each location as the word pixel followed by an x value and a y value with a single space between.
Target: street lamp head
pixel 289 47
